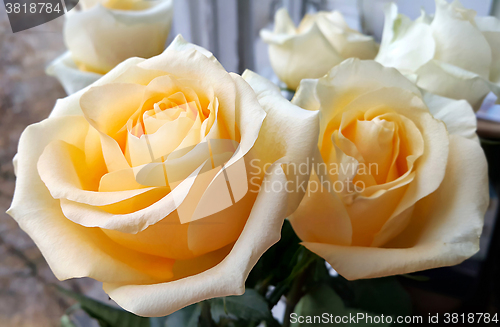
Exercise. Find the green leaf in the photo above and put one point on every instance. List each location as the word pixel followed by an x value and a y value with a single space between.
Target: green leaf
pixel 489 142
pixel 277 263
pixel 418 278
pixel 303 258
pixel 251 306
pixel 66 321
pixel 381 295
pixel 106 315
pixel 321 306
pixel 186 317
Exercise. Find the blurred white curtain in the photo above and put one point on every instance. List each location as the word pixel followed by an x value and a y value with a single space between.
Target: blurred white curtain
pixel 211 24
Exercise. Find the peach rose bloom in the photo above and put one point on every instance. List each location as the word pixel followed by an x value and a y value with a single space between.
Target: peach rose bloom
pixel 140 180
pixel 402 178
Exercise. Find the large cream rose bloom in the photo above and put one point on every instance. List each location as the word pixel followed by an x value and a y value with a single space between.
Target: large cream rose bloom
pixel 455 54
pixel 140 180
pixel 105 33
pixel 321 41
pixel 400 180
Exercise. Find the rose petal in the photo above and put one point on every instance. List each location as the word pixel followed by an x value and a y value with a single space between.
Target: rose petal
pixel 444 229
pixel 292 140
pixel 188 62
pixel 453 82
pixel 292 60
pixel 458 41
pixel 351 79
pixel 62 168
pixel 67 73
pixel 406 45
pixel 71 250
pixel 109 107
pixel 131 221
pixel 332 224
pixel 70 105
pixel 458 115
pixel 305 96
pixel 227 278
pixel 348 42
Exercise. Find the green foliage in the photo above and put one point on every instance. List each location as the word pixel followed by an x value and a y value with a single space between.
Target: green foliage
pixel 248 309
pixel 277 263
pixel 323 302
pixel 279 266
pixel 186 317
pixel 106 315
pixel 250 306
pixel 381 295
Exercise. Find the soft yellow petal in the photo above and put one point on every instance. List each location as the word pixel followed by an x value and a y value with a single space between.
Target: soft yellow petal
pixel 168 238
pixel 346 41
pixel 129 220
pixel 353 78
pixel 330 224
pixel 71 104
pixel 180 44
pixel 109 107
pixel 187 62
pixel 67 73
pixel 221 228
pixel 62 168
pixel 452 82
pixel 227 278
pixel 458 115
pixel 305 96
pixel 283 23
pixel 71 250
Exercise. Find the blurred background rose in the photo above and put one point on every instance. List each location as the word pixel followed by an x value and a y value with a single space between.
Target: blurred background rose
pixel 100 34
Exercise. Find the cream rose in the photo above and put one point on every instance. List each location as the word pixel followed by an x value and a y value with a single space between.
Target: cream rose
pixel 143 181
pixel 105 33
pixel 321 41
pixel 400 180
pixel 455 54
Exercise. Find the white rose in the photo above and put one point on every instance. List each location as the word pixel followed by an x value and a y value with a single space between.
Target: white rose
pixel 105 33
pixel 150 179
pixel 321 41
pixel 455 54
